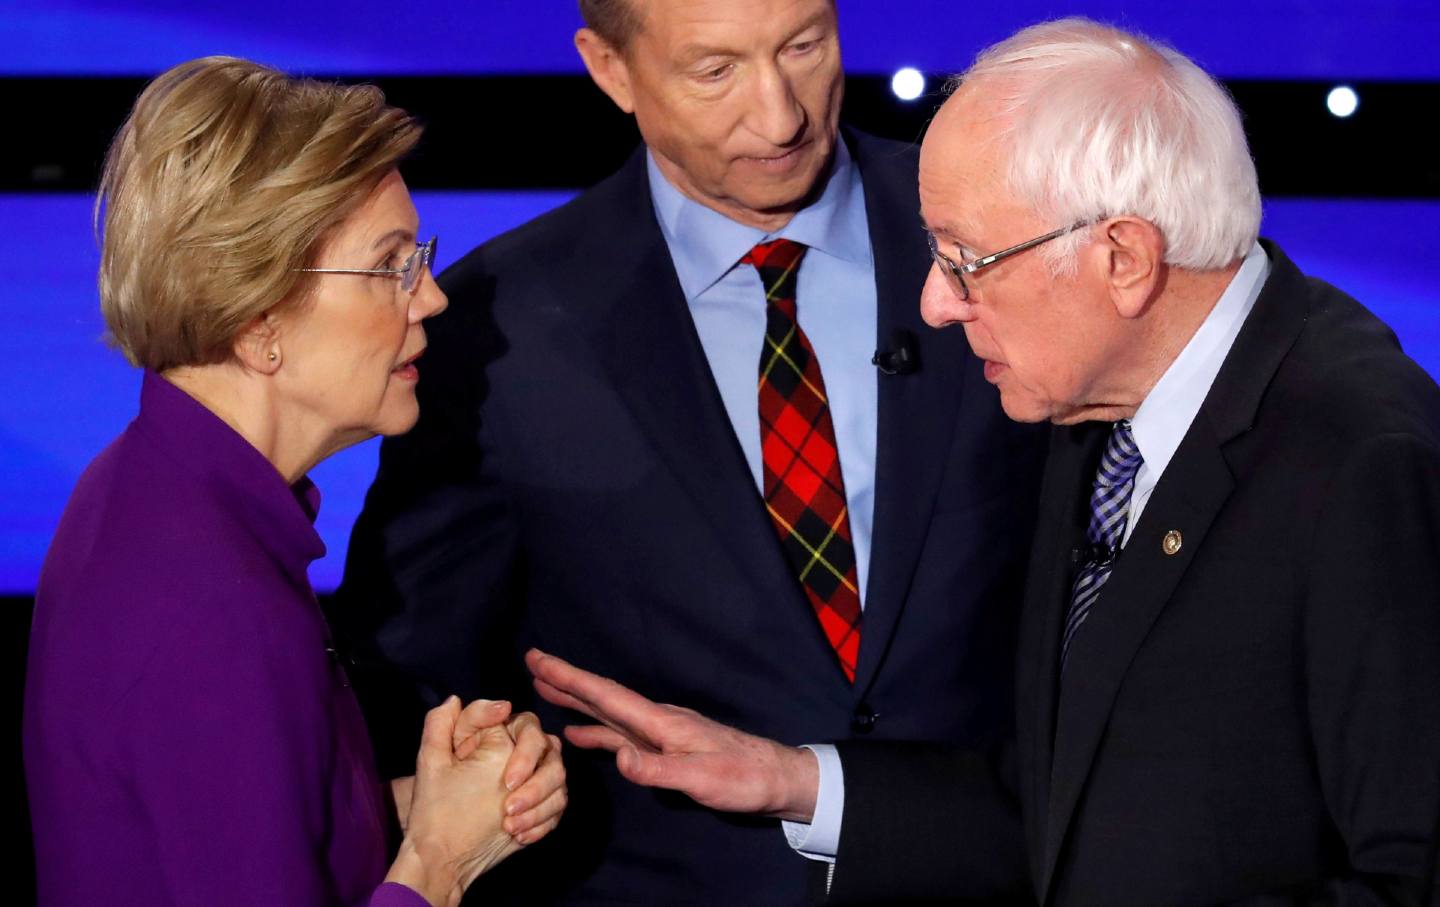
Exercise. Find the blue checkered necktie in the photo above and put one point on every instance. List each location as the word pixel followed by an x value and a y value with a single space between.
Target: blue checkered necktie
pixel 1109 512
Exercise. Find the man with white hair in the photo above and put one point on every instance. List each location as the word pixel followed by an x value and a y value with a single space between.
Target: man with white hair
pixel 1228 684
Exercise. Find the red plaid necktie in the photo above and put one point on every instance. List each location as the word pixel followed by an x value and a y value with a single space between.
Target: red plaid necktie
pixel 804 490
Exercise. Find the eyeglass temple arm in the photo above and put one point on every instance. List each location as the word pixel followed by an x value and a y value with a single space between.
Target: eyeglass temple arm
pixel 977 264
pixel 352 270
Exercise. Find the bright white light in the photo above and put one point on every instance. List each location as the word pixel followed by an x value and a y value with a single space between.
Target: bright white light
pixel 908 84
pixel 1342 100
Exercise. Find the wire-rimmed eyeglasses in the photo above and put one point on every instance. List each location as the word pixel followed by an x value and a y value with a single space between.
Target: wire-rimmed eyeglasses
pixel 409 272
pixel 956 272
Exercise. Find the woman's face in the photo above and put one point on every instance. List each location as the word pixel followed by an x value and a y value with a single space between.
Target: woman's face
pixel 348 356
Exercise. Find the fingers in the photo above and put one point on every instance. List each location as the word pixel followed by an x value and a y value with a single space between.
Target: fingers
pixel 548 779
pixel 599 697
pixel 654 770
pixel 534 824
pixel 492 738
pixel 478 715
pixel 535 834
pixel 597 737
pixel 531 745
pixel 435 740
pixel 556 696
pixel 643 767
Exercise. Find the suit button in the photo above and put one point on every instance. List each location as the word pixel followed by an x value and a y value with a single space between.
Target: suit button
pixel 863 721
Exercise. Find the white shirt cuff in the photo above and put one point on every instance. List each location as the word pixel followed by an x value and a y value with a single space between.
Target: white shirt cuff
pixel 820 840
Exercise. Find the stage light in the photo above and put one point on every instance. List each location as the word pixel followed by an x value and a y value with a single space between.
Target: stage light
pixel 908 83
pixel 1342 101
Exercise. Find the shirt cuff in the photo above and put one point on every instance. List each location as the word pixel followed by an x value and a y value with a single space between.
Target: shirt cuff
pixel 820 840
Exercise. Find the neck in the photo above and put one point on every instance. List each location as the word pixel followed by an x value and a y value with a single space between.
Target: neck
pixel 1189 299
pixel 247 401
pixel 1145 352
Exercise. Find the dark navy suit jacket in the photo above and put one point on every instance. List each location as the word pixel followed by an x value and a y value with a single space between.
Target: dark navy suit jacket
pixel 1251 717
pixel 575 483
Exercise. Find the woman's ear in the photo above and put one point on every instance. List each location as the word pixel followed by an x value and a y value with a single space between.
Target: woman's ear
pixel 258 346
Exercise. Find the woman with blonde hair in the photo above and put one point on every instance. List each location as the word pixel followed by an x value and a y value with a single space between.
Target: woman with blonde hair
pixel 189 738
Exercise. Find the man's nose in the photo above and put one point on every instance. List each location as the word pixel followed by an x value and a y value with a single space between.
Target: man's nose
pixel 776 114
pixel 940 303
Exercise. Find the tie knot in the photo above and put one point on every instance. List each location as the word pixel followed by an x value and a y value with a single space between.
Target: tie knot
pixel 778 261
pixel 1121 459
pixel 777 253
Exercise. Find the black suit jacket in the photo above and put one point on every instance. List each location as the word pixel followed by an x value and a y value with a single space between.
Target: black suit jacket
pixel 574 483
pixel 1254 718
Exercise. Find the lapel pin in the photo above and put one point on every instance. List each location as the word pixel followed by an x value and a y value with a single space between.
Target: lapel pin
pixel 1172 542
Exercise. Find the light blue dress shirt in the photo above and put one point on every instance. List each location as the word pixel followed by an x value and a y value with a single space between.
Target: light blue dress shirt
pixel 1162 420
pixel 836 306
pixel 1159 425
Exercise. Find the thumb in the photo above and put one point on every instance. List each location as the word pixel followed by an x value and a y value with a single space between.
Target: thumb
pixel 478 715
pixel 436 747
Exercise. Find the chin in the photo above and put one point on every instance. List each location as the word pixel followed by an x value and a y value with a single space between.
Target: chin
pixel 783 191
pixel 397 420
pixel 1022 408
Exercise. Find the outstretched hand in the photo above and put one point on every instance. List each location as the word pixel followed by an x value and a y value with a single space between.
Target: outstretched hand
pixel 670 747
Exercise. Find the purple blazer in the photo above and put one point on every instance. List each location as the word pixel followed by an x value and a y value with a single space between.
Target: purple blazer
pixel 187 738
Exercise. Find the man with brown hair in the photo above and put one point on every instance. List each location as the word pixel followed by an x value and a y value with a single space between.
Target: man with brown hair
pixel 652 440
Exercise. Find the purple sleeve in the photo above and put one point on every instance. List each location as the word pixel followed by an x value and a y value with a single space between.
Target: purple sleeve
pixel 228 748
pixel 393 894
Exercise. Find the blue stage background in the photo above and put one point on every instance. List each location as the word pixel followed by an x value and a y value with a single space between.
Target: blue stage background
pixel 1277 39
pixel 66 394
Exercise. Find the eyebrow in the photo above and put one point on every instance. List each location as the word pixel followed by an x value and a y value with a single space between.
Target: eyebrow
pixel 951 230
pixel 399 233
pixel 690 54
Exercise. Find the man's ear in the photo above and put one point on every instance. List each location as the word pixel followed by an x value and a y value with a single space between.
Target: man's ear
pixel 1133 260
pixel 258 345
pixel 608 68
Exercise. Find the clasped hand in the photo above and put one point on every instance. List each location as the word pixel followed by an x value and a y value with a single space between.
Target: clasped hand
pixel 485 785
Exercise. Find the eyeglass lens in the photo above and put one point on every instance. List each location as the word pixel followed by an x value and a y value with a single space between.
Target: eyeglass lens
pixel 416 264
pixel 948 268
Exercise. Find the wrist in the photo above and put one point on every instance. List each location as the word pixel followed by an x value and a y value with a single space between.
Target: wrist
pixel 434 879
pixel 799 778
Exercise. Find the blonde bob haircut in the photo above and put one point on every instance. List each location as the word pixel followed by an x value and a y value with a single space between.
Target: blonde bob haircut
pixel 224 179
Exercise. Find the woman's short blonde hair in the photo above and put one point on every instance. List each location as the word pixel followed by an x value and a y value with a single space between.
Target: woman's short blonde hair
pixel 224 179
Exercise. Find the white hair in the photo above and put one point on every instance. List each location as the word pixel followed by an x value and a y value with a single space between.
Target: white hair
pixel 1097 123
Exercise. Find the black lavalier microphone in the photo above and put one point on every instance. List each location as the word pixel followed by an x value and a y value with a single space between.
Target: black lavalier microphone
pixel 903 356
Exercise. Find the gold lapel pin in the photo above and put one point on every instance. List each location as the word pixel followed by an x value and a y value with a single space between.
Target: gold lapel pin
pixel 1172 542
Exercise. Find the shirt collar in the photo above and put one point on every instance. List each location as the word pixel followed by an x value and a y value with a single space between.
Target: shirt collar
pixel 281 517
pixel 1162 420
pixel 705 244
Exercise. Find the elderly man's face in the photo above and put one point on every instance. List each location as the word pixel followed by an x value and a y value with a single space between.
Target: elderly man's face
pixel 739 100
pixel 1043 339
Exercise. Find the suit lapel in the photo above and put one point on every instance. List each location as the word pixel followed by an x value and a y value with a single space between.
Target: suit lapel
pixel 916 411
pixel 647 340
pixel 1074 452
pixel 1194 488
pixel 1190 495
